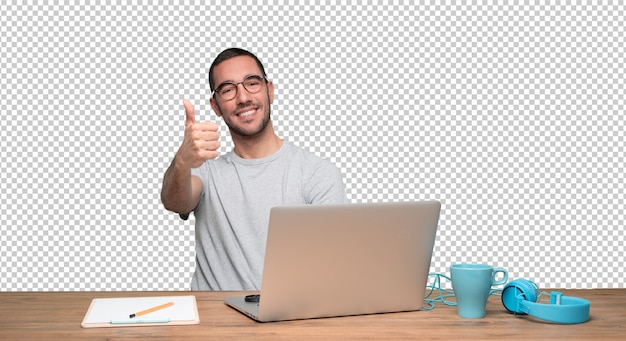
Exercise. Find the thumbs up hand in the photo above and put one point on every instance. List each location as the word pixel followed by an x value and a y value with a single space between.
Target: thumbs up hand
pixel 201 140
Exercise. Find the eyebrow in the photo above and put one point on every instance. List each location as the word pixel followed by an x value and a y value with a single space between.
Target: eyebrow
pixel 232 81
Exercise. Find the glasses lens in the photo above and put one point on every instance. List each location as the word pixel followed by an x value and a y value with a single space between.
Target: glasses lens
pixel 253 84
pixel 227 91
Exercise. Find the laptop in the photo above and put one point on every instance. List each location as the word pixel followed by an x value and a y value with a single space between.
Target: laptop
pixel 340 260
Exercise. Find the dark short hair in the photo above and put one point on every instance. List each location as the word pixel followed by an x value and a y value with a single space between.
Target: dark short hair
pixel 228 54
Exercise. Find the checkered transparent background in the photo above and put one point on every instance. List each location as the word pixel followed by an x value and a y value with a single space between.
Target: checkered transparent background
pixel 511 115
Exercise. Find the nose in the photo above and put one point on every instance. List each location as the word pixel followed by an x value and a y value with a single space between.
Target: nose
pixel 242 94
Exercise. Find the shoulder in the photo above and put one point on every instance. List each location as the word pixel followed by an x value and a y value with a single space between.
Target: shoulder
pixel 302 155
pixel 322 179
pixel 310 163
pixel 215 165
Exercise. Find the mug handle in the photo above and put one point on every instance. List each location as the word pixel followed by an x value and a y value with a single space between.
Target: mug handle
pixel 504 279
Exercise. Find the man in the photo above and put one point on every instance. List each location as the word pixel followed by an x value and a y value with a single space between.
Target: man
pixel 231 196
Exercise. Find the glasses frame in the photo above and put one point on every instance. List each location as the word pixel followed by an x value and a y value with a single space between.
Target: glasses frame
pixel 214 93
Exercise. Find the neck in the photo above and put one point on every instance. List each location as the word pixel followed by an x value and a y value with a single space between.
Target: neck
pixel 258 146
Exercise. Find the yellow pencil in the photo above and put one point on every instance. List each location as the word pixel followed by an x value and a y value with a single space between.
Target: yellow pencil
pixel 147 311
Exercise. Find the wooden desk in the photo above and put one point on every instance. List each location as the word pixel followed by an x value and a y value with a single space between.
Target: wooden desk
pixel 57 316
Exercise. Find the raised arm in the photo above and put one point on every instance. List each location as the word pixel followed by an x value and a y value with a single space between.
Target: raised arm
pixel 181 191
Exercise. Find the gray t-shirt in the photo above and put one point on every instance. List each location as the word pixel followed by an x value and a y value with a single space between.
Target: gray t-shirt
pixel 233 213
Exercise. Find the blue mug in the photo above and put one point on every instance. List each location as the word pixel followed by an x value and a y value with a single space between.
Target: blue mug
pixel 471 284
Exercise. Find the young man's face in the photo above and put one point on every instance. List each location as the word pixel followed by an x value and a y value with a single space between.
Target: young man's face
pixel 247 114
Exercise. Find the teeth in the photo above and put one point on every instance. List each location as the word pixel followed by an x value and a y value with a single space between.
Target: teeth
pixel 247 113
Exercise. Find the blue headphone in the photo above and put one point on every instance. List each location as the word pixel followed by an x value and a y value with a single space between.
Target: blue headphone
pixel 520 297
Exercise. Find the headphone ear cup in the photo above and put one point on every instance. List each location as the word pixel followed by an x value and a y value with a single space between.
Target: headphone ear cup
pixel 516 292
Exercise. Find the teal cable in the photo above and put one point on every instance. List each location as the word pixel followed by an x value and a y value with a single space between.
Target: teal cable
pixel 438 294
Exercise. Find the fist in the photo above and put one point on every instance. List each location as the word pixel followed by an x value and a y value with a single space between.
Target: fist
pixel 201 140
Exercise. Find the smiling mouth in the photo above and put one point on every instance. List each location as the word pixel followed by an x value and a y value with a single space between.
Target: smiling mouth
pixel 247 113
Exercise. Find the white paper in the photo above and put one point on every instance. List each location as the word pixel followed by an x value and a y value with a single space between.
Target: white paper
pixel 103 310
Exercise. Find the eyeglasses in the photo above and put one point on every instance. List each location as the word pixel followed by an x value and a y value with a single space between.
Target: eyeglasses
pixel 228 90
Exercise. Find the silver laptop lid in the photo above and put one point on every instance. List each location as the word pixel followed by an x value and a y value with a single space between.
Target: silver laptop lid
pixel 337 260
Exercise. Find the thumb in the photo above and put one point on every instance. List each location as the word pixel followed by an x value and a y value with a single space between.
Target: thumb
pixel 189 112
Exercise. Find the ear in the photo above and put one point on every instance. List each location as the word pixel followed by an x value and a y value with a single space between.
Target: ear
pixel 215 107
pixel 270 91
